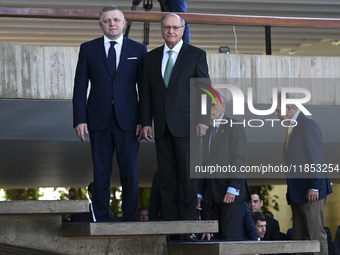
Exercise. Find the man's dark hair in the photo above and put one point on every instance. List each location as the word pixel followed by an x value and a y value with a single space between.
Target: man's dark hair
pixel 258 216
pixel 90 187
pixel 256 192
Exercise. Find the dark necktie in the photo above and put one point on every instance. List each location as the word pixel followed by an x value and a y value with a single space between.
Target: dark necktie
pixel 289 129
pixel 112 58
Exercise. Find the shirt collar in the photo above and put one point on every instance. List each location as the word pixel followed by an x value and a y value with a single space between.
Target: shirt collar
pixel 217 123
pixel 293 120
pixel 119 40
pixel 176 49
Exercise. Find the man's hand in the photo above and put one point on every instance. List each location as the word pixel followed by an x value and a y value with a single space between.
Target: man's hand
pixel 229 198
pixel 201 129
pixel 81 129
pixel 147 133
pixel 312 196
pixel 139 132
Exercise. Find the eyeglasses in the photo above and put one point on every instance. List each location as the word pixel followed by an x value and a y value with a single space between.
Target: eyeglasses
pixel 175 28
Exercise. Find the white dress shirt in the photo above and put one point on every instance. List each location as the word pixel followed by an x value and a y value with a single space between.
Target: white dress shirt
pixel 175 50
pixel 118 47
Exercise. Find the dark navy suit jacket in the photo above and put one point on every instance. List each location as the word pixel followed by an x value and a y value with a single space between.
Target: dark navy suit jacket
pixel 105 89
pixel 305 147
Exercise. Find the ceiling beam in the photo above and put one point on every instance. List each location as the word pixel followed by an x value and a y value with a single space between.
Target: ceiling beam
pixel 192 18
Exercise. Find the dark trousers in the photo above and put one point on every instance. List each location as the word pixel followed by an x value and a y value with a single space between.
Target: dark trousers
pixel 178 191
pixel 103 145
pixel 230 220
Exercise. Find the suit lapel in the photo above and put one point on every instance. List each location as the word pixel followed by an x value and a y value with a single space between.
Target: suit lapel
pixel 157 64
pixel 292 136
pixel 218 138
pixel 293 132
pixel 101 53
pixel 123 54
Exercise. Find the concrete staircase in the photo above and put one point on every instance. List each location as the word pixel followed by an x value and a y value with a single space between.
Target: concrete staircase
pixel 36 228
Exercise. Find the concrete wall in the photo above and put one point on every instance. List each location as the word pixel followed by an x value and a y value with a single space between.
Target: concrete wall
pixel 37 72
pixel 47 72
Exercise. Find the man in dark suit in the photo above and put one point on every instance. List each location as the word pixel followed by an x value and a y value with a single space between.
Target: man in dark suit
pixel 260 225
pixel 273 227
pixel 306 191
pixel 226 196
pixel 166 99
pixel 113 65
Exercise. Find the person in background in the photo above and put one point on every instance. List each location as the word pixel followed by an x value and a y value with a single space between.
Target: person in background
pixel 225 145
pixel 89 217
pixel 273 227
pixel 142 214
pixel 306 192
pixel 260 224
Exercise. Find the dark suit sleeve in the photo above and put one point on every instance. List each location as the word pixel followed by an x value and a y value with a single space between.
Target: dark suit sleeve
pixel 237 143
pixel 146 99
pixel 202 71
pixel 249 225
pixel 276 231
pixel 313 144
pixel 81 81
pixel 202 186
pixel 140 82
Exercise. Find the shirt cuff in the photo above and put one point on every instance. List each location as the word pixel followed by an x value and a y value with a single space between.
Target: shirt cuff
pixel 233 191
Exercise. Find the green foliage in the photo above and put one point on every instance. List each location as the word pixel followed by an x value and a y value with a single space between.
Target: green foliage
pixel 75 194
pixel 268 200
pixel 116 201
pixel 80 194
pixel 22 194
pixel 144 196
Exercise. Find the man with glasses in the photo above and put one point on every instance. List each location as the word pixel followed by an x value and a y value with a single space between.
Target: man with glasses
pixel 166 100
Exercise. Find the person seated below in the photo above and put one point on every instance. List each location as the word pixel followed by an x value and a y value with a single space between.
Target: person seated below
pixel 89 216
pixel 260 224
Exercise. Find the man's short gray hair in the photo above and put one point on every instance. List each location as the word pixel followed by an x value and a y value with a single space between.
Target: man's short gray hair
pixel 221 95
pixel 109 8
pixel 175 15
